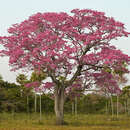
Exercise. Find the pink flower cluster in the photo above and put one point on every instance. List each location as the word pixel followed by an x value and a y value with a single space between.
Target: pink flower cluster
pixel 32 84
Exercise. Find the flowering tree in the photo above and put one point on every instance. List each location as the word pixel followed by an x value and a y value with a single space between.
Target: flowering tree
pixel 73 47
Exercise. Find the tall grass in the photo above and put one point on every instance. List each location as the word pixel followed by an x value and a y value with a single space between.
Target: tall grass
pixel 22 121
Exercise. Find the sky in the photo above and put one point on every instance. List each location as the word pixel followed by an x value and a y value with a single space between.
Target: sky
pixel 16 11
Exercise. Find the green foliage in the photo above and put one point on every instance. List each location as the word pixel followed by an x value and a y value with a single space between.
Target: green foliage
pixel 11 99
pixel 21 79
pixel 37 76
pixel 92 103
pixel 61 78
pixel 9 95
pixel 1 78
pixel 125 93
pixel 47 104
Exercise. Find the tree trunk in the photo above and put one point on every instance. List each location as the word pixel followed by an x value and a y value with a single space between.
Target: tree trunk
pixel 27 104
pixel 117 106
pixel 72 107
pixel 106 108
pixel 125 105
pixel 112 109
pixel 40 107
pixel 59 105
pixel 35 102
pixel 76 105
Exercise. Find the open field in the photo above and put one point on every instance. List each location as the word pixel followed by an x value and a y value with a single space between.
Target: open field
pixel 79 122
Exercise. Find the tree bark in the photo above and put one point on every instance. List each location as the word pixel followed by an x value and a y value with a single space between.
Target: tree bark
pixel 59 105
pixel 72 107
pixel 106 108
pixel 112 109
pixel 40 105
pixel 27 104
pixel 35 102
pixel 125 105
pixel 76 105
pixel 117 106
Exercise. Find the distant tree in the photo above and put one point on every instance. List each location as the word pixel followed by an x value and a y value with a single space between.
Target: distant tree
pixel 38 76
pixel 92 103
pixel 126 98
pixel 9 96
pixel 22 80
pixel 1 78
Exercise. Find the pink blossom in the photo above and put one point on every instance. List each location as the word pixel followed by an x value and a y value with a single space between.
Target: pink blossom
pixel 32 84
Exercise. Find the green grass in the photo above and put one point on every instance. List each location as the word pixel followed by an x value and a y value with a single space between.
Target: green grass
pixel 23 121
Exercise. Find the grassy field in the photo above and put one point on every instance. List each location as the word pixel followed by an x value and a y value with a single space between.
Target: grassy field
pixel 79 122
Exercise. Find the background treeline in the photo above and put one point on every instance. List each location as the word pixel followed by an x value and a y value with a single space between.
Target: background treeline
pixel 13 99
pixel 16 98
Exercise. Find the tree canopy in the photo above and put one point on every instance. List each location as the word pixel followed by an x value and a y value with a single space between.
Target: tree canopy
pixel 66 45
pixel 74 46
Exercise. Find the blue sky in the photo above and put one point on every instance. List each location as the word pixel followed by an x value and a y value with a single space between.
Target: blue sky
pixel 15 11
